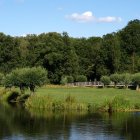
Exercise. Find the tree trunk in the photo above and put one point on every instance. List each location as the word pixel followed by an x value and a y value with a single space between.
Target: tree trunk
pixel 32 89
pixel 137 87
pixel 22 89
pixel 126 86
pixel 115 84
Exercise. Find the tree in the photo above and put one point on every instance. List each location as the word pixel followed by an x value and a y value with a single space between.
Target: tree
pixel 34 77
pixel 136 80
pixel 16 78
pixel 81 78
pixel 110 52
pixel 105 80
pixel 126 78
pixel 64 80
pixel 115 78
pixel 70 79
pixel 26 78
pixel 130 42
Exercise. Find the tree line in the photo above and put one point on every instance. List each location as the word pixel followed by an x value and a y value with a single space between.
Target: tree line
pixel 125 78
pixel 65 56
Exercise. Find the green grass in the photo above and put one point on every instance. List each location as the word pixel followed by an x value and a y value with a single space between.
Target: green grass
pixel 89 95
pixel 84 98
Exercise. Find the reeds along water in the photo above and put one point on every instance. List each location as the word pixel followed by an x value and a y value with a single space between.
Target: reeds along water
pixel 46 102
pixel 118 103
pixel 70 103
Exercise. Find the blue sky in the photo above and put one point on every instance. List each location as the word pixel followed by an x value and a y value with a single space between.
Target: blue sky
pixel 80 18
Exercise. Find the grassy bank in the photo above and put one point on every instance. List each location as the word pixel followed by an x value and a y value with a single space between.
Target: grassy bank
pixel 71 98
pixel 77 98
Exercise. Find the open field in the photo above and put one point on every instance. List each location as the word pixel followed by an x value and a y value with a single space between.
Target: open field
pixel 88 94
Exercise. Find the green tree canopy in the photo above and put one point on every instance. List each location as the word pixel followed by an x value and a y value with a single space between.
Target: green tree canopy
pixel 26 78
pixel 105 80
pixel 116 78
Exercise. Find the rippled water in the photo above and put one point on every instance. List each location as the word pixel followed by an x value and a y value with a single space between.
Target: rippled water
pixel 17 123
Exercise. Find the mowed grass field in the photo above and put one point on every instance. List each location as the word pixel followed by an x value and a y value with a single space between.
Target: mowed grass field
pixel 89 94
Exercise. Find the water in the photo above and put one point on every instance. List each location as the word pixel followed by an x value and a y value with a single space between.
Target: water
pixel 17 123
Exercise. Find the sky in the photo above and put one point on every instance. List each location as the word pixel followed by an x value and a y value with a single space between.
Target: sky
pixel 79 18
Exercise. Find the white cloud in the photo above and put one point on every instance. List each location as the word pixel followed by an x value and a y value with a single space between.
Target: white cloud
pixel 109 19
pixel 84 17
pixel 89 17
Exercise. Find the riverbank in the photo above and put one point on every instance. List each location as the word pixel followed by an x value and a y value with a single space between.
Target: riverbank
pixel 80 98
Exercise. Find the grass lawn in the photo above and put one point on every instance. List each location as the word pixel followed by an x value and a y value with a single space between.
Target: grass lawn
pixel 89 94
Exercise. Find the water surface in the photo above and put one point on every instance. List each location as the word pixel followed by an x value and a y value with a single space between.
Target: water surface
pixel 16 123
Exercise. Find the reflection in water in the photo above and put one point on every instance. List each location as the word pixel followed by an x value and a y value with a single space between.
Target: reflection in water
pixel 17 123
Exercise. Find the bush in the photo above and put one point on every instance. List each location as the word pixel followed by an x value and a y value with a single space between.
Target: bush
pixel 26 78
pixel 13 96
pixel 136 80
pixel 81 78
pixel 23 97
pixel 64 80
pixel 105 80
pixel 118 103
pixel 70 79
pixel 116 78
pixel 126 78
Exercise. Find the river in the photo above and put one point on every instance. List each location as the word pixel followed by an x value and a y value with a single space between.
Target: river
pixel 17 123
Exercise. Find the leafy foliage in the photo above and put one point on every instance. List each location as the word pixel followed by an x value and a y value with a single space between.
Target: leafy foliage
pixel 26 78
pixel 136 80
pixel 116 78
pixel 64 80
pixel 105 80
pixel 126 78
pixel 70 79
pixel 81 78
pixel 62 55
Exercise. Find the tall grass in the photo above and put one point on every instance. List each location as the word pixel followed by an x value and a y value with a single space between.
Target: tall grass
pixel 89 99
pixel 46 102
pixel 12 95
pixel 118 103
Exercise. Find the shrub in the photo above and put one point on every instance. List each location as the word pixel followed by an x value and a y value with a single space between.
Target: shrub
pixel 26 78
pixel 118 103
pixel 70 79
pixel 126 78
pixel 137 106
pixel 116 78
pixel 64 80
pixel 13 96
pixel 23 97
pixel 136 80
pixel 81 78
pixel 105 80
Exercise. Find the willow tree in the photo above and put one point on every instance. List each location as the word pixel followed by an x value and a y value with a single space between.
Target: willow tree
pixel 26 78
pixel 105 80
pixel 136 80
pixel 116 78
